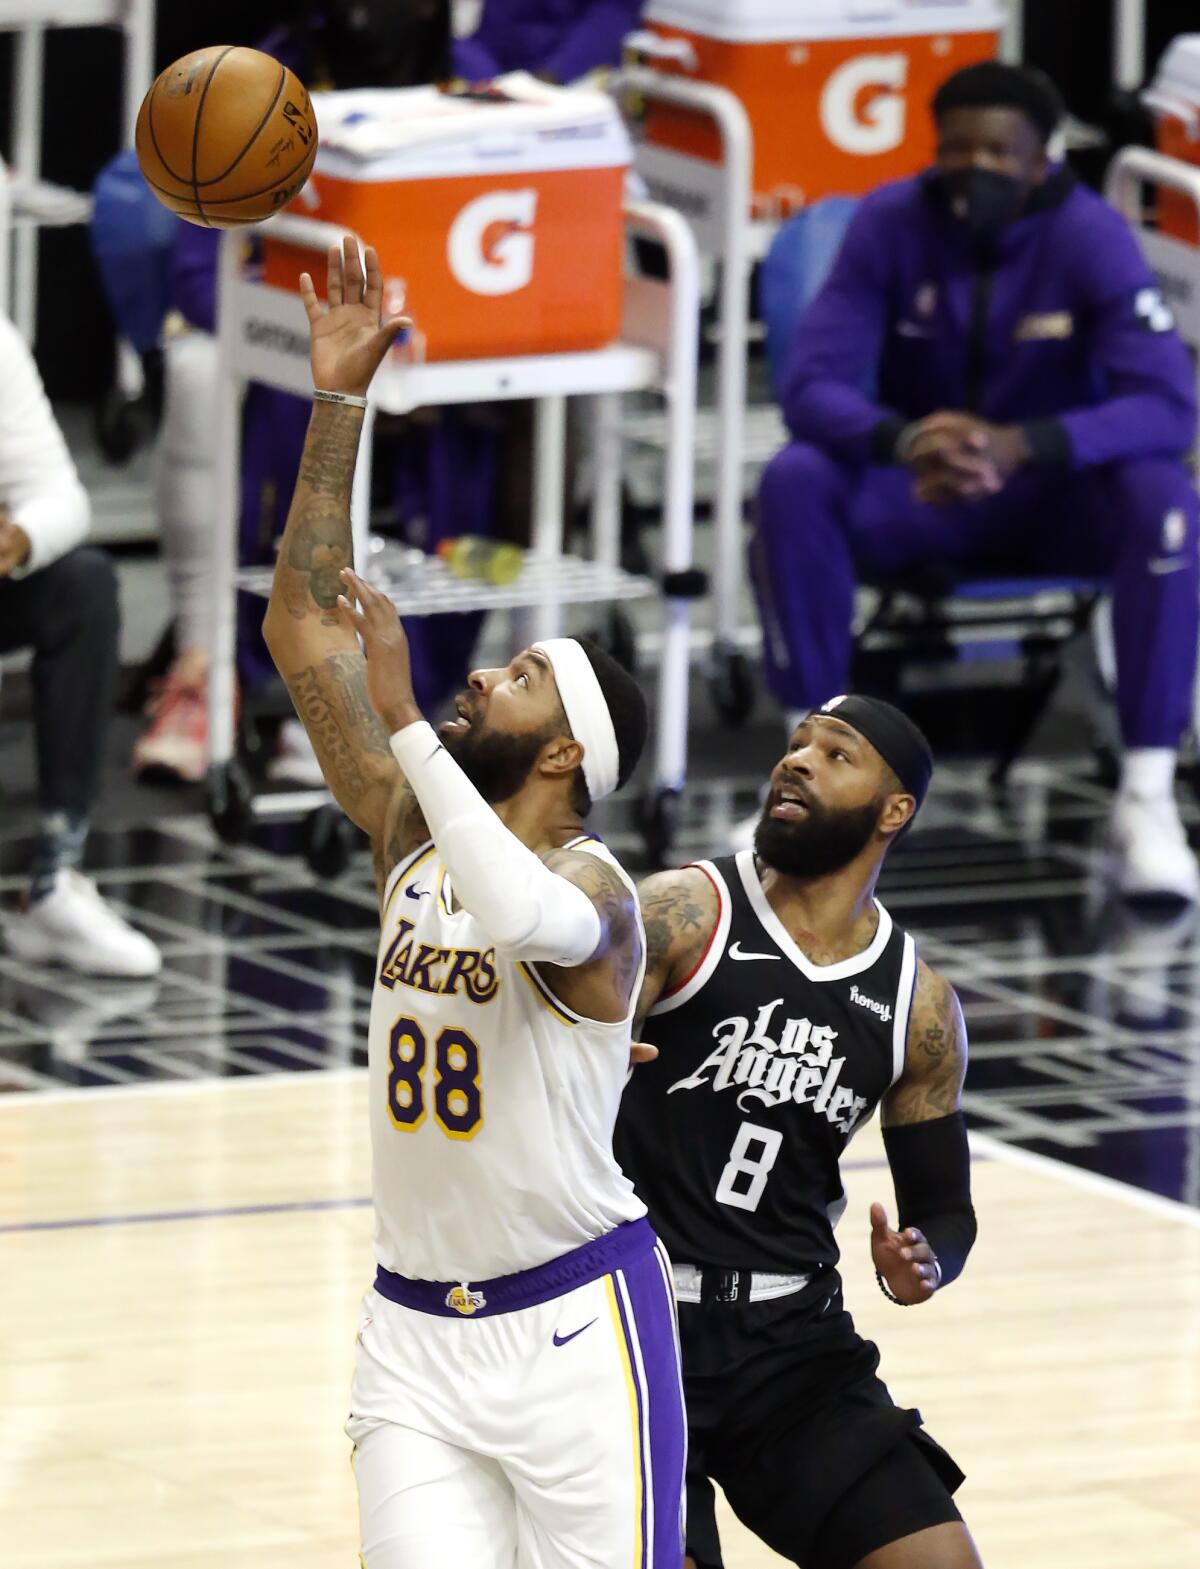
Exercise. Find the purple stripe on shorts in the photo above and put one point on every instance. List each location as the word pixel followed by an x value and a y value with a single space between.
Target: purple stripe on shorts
pixel 621 1248
pixel 653 1304
pixel 631 1354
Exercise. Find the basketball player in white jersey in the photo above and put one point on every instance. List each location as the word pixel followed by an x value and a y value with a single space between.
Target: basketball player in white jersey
pixel 517 1397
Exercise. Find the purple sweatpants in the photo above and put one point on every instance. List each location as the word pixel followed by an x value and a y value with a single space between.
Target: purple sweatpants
pixel 820 524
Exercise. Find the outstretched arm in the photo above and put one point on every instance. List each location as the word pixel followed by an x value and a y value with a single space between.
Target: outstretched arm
pixel 315 651
pixel 925 1137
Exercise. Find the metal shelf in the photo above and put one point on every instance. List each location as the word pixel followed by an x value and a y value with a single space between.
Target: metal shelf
pixel 763 432
pixel 63 13
pixel 48 206
pixel 426 587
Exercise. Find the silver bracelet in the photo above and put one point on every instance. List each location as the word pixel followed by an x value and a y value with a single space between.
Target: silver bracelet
pixel 349 398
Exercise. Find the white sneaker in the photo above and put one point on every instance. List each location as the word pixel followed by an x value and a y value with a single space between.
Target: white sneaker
pixel 74 926
pixel 295 762
pixel 1150 850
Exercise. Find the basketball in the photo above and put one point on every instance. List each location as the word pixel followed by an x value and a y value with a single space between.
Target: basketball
pixel 226 136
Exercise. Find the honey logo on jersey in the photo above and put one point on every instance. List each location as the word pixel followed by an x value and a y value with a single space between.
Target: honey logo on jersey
pixel 798 1066
pixel 444 971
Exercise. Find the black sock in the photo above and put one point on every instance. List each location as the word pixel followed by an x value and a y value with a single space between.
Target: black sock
pixel 59 847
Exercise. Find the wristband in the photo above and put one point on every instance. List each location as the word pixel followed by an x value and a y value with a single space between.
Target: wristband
pixel 904 441
pixel 891 1295
pixel 348 398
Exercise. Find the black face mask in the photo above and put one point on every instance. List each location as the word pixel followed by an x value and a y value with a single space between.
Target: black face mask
pixel 983 199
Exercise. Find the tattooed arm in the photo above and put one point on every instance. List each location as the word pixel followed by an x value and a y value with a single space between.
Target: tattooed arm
pixel 601 988
pixel 680 911
pixel 935 1063
pixel 925 1138
pixel 314 647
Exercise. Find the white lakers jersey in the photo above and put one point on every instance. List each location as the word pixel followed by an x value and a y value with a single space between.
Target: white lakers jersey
pixel 492 1104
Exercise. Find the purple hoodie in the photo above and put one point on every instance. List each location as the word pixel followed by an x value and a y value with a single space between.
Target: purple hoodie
pixel 1060 328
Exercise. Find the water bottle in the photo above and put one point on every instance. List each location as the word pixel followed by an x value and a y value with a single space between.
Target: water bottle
pixel 489 560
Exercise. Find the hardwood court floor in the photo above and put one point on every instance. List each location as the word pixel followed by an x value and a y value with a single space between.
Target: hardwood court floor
pixel 179 1274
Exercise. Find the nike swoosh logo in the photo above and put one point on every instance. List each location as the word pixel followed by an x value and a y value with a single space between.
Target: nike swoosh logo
pixel 737 952
pixel 416 893
pixel 1161 568
pixel 561 1340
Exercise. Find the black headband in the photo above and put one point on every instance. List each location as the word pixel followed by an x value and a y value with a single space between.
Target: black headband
pixel 893 735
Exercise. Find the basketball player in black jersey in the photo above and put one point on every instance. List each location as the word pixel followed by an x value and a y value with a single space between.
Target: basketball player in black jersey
pixel 785 1006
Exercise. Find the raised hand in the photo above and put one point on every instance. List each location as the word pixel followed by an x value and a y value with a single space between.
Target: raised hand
pixel 389 668
pixel 350 339
pixel 903 1258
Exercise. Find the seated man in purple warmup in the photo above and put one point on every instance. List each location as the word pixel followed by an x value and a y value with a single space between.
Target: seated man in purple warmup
pixel 560 40
pixel 1034 408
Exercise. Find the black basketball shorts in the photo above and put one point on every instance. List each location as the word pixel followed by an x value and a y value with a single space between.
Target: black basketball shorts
pixel 787 1412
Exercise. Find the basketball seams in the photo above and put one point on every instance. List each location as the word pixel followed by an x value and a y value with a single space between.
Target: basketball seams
pixel 254 135
pixel 195 184
pixel 182 178
pixel 218 202
pixel 199 200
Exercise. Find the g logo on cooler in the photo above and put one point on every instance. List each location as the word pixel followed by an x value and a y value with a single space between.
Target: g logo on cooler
pixel 877 126
pixel 506 263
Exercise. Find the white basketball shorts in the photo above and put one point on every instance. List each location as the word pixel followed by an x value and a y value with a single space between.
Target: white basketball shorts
pixel 530 1422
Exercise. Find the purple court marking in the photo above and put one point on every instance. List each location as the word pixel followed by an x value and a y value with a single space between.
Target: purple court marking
pixel 292 1207
pixel 155 1217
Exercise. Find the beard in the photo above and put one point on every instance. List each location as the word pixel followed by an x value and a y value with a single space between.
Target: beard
pixel 497 765
pixel 820 843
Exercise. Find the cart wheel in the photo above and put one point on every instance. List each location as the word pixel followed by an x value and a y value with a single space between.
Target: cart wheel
pixel 616 636
pixel 118 429
pixel 658 819
pixel 328 839
pixel 230 802
pixel 731 684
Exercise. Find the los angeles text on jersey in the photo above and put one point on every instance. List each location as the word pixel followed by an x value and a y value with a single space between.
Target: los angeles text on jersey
pixel 797 1065
pixel 446 971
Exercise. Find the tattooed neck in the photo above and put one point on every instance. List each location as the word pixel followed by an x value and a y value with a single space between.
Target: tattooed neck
pixel 317 541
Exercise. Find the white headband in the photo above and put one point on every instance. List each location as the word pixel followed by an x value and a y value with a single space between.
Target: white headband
pixel 587 713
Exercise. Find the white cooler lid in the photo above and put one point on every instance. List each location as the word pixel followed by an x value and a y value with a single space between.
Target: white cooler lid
pixel 421 133
pixel 771 21
pixel 1178 74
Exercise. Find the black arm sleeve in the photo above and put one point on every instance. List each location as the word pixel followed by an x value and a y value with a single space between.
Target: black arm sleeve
pixel 931 1172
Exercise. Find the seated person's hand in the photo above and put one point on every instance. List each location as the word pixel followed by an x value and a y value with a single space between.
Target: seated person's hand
pixel 14 544
pixel 959 457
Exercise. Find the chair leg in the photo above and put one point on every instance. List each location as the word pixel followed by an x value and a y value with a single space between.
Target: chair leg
pixel 1041 689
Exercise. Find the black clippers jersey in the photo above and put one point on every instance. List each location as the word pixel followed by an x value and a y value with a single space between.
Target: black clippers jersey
pixel 767 1065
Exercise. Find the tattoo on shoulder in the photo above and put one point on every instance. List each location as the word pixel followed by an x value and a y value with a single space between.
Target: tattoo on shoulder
pixel 936 1061
pixel 679 910
pixel 614 902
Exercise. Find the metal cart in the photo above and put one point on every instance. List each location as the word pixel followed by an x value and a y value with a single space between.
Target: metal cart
pixel 35 203
pixel 262 336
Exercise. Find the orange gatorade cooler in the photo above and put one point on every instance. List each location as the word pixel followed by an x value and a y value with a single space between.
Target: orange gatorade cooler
pixel 497 211
pixel 1174 98
pixel 837 91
